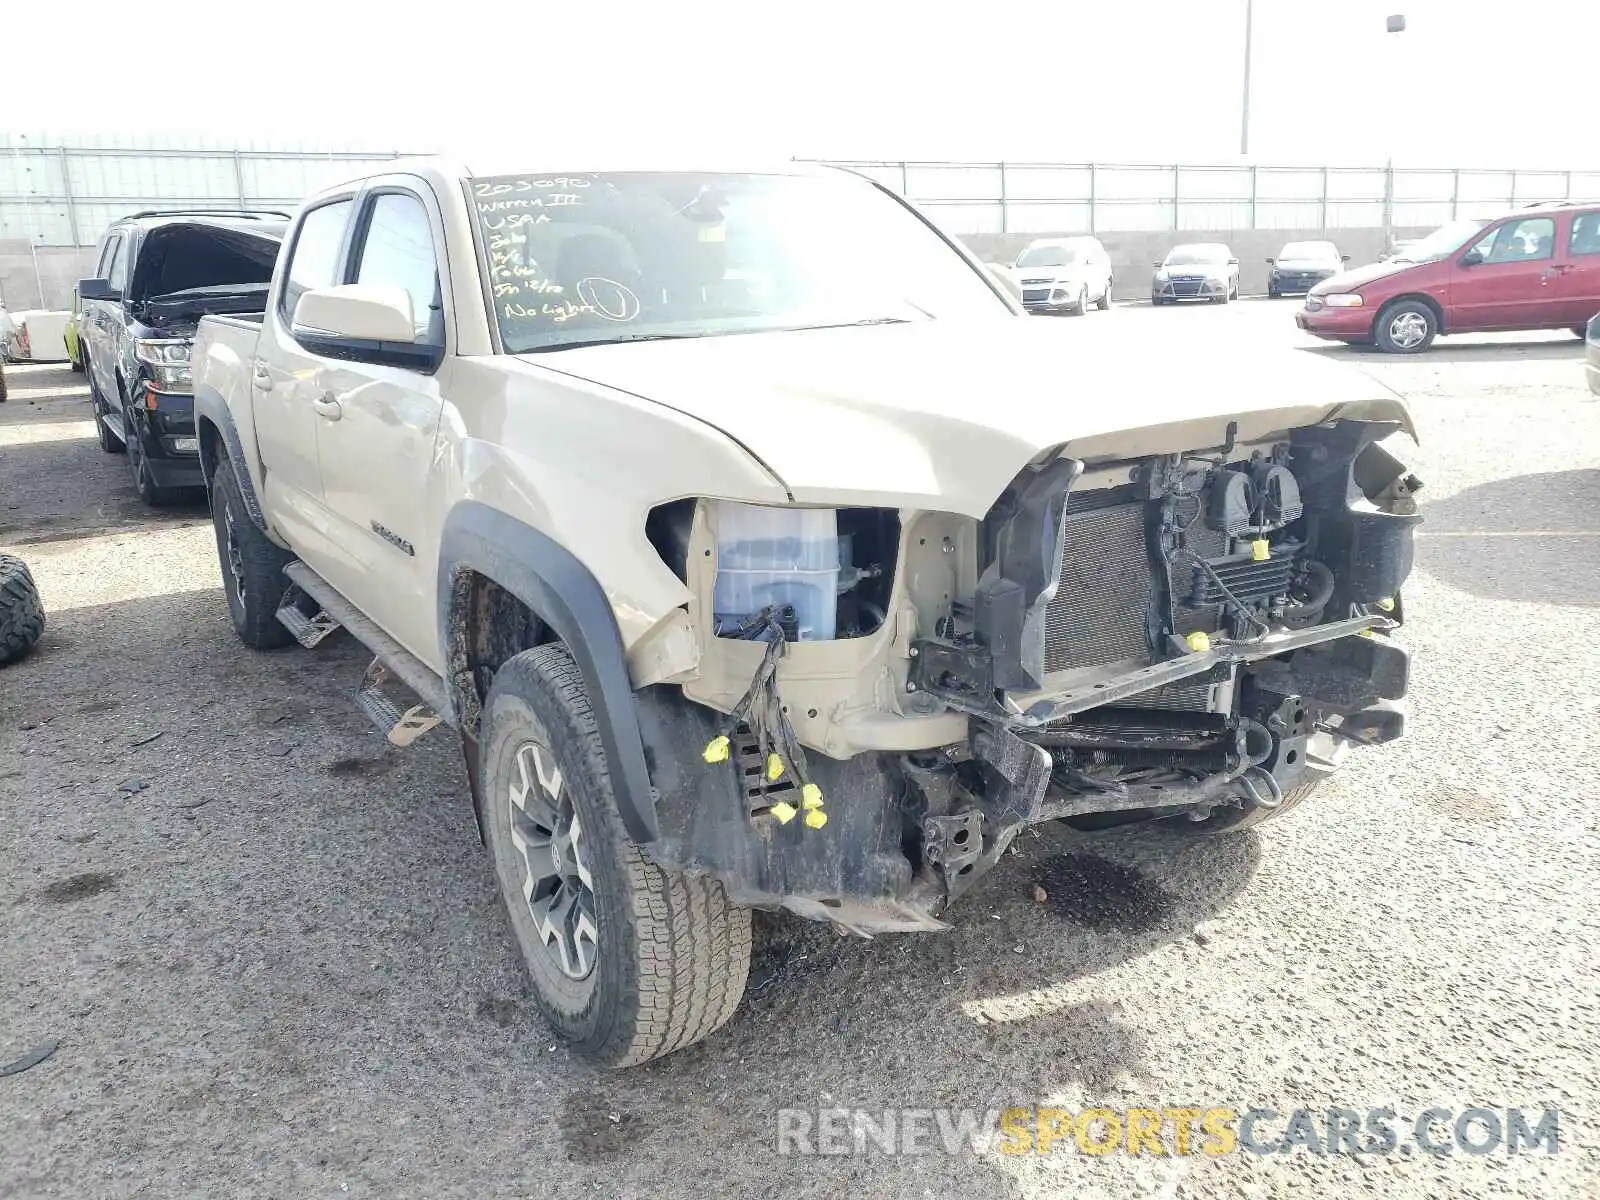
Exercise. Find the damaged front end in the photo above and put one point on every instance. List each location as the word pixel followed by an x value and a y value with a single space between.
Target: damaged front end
pixel 1195 635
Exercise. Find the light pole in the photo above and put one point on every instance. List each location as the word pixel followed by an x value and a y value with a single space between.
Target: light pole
pixel 1394 23
pixel 1244 117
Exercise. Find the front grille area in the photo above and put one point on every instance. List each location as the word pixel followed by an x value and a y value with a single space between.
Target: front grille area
pixel 1101 608
pixel 1188 695
pixel 1035 295
pixel 1187 285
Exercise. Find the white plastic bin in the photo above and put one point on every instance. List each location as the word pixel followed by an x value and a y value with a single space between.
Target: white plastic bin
pixel 778 556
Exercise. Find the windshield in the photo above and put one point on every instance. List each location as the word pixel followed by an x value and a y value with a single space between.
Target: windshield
pixel 1048 256
pixel 1197 255
pixel 1442 241
pixel 1310 252
pixel 580 259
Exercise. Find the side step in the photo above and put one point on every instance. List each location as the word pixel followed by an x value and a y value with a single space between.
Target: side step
pixel 308 631
pixel 400 727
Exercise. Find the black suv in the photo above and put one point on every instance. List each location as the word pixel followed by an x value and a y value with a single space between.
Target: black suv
pixel 157 274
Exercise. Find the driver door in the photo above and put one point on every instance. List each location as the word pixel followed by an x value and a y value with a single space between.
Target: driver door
pixel 376 425
pixel 1510 286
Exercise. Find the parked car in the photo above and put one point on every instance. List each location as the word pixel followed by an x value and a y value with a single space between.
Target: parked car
pixel 1196 271
pixel 1592 354
pixel 1064 275
pixel 156 274
pixel 74 342
pixel 720 515
pixel 1300 266
pixel 1536 268
pixel 38 335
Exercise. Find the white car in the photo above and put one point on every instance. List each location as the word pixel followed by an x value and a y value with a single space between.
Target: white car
pixel 1064 275
pixel 1196 271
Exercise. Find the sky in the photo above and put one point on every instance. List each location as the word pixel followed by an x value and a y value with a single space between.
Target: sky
pixel 1468 84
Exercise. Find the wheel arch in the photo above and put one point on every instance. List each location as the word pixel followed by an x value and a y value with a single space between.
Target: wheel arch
pixel 482 547
pixel 219 439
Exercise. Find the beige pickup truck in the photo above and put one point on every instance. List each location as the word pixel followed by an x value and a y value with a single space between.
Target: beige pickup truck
pixel 763 555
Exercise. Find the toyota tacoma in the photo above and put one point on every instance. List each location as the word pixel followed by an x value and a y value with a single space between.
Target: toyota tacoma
pixel 761 554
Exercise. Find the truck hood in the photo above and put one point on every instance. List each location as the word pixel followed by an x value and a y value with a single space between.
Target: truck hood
pixel 942 415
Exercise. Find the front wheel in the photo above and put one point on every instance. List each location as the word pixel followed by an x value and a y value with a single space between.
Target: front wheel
pixel 1080 307
pixel 252 566
pixel 1105 298
pixel 1406 327
pixel 628 961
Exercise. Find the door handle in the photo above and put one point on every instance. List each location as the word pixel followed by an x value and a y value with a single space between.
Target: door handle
pixel 327 405
pixel 263 378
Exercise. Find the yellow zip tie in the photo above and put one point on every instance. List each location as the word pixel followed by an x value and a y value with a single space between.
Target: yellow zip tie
pixel 816 819
pixel 810 797
pixel 774 768
pixel 785 812
pixel 1260 550
pixel 716 749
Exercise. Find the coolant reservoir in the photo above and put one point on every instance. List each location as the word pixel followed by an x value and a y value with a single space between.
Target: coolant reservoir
pixel 776 557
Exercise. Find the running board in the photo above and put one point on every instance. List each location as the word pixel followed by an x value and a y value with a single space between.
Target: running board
pixel 401 727
pixel 308 631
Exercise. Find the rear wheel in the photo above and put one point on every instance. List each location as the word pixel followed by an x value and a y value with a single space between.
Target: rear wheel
pixel 1405 327
pixel 21 610
pixel 628 961
pixel 252 566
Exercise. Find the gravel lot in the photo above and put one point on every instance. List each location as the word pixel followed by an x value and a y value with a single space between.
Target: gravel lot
pixel 272 956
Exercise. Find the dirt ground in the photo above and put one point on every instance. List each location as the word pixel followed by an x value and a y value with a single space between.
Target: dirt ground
pixel 270 956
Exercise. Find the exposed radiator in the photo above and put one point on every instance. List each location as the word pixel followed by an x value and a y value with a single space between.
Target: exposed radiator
pixel 1101 609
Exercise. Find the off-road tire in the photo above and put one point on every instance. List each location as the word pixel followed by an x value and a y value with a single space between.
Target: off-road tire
pixel 253 584
pixel 1104 302
pixel 1382 328
pixel 2 383
pixel 21 610
pixel 671 953
pixel 1237 820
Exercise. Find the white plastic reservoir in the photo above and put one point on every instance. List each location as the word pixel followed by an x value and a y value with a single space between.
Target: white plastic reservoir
pixel 777 556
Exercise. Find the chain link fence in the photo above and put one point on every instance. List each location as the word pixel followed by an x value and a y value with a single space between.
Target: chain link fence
pixel 1004 197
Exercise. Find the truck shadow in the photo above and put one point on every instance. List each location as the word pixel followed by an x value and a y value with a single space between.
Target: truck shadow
pixel 1534 538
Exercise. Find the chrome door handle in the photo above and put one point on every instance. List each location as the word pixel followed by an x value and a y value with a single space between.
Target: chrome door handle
pixel 328 406
pixel 263 378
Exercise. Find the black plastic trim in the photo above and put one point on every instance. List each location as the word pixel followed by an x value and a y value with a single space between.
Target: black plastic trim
pixel 210 406
pixel 561 592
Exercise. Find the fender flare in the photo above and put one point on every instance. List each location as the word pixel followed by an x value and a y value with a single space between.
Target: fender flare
pixel 210 406
pixel 560 591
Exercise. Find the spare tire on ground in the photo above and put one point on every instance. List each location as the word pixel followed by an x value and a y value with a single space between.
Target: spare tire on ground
pixel 21 610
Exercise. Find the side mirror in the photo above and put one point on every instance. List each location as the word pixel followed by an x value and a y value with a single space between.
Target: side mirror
pixel 1472 258
pixel 1271 261
pixel 1344 258
pixel 1156 265
pixel 97 289
pixel 362 323
pixel 1233 262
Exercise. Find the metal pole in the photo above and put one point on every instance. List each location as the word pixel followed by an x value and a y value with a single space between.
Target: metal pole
pixel 66 190
pixel 1324 197
pixel 1093 192
pixel 1455 194
pixel 1244 120
pixel 1004 207
pixel 38 278
pixel 238 179
pixel 1253 222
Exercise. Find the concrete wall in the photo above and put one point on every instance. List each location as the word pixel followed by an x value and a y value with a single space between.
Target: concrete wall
pixel 1133 253
pixel 58 271
pixel 60 268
